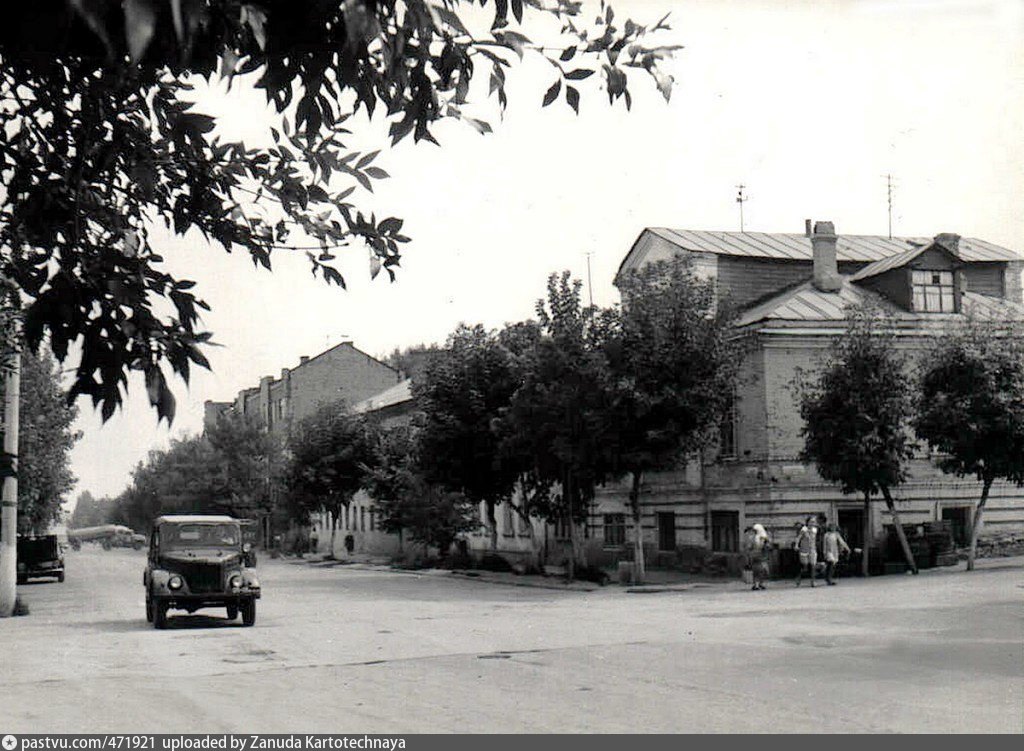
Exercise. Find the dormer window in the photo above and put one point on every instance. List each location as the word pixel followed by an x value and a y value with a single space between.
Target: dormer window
pixel 933 291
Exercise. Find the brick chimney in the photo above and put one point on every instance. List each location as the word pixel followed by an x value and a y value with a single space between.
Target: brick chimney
pixel 826 270
pixel 950 241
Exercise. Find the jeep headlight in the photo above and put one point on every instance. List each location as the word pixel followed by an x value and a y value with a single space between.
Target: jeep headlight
pixel 254 583
pixel 235 582
pixel 175 582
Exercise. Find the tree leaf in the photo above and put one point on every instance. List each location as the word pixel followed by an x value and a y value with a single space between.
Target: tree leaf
pixel 366 159
pixel 579 74
pixel 572 96
pixel 552 93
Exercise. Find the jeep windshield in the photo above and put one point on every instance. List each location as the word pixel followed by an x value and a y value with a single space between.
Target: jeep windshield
pixel 173 536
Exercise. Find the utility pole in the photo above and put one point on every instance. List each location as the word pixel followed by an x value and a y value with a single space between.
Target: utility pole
pixel 9 499
pixel 590 286
pixel 741 199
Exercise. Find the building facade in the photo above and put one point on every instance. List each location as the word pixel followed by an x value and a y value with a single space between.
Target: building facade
pixel 794 293
pixel 342 373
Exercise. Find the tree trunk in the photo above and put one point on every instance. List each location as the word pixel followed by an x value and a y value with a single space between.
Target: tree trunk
pixel 567 504
pixel 976 525
pixel 864 567
pixel 638 532
pixel 909 556
pixel 492 524
pixel 334 531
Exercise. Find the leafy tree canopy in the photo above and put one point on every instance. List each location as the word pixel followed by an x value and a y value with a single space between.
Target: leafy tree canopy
pixel 45 440
pixel 463 392
pixel 407 503
pixel 857 411
pixel 330 455
pixel 971 404
pixel 232 469
pixel 99 142
pixel 675 357
pixel 558 417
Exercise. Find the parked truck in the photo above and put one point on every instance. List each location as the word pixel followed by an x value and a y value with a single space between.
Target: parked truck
pixel 108 535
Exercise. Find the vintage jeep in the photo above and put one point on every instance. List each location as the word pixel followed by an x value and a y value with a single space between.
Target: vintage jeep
pixel 39 556
pixel 199 562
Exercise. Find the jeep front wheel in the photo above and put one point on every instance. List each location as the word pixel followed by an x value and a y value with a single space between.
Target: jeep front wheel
pixel 232 612
pixel 160 615
pixel 248 612
pixel 149 610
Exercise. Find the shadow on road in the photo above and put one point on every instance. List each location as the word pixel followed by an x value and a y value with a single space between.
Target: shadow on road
pixel 173 622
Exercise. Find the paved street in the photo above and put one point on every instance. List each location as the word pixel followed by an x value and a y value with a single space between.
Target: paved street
pixel 348 649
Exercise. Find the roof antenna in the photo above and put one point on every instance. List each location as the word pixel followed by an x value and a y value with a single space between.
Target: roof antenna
pixel 741 199
pixel 888 190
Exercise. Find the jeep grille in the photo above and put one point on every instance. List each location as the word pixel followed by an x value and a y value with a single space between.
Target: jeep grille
pixel 203 577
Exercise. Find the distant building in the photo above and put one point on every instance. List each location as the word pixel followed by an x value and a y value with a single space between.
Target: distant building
pixel 341 373
pixel 793 292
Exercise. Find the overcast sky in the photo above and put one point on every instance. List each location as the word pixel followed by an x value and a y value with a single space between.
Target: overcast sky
pixel 808 104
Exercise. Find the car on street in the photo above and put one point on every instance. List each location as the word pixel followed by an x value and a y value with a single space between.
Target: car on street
pixel 39 556
pixel 199 561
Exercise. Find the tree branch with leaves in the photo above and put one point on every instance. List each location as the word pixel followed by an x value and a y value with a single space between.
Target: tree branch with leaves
pixel 100 142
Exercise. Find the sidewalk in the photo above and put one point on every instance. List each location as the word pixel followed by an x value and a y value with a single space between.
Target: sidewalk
pixel 657 580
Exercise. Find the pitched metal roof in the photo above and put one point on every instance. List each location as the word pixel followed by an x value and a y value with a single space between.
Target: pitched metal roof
pixel 797 246
pixel 898 260
pixel 806 303
pixel 397 394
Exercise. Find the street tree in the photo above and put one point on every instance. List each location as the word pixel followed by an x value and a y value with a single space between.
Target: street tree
pixel 248 463
pixel 101 142
pixel 331 453
pixel 674 357
pixel 856 414
pixel 971 409
pixel 463 392
pixel 558 419
pixel 407 503
pixel 45 440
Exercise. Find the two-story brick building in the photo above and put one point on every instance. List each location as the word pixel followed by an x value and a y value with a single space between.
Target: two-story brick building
pixel 793 291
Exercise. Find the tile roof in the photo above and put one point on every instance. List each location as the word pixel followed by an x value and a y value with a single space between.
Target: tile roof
pixel 797 246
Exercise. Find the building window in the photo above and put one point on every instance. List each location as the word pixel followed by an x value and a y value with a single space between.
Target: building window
pixel 666 530
pixel 614 529
pixel 373 521
pixel 725 531
pixel 933 291
pixel 362 518
pixel 727 430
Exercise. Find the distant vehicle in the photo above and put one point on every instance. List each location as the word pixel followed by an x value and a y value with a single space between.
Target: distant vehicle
pixel 39 556
pixel 108 535
pixel 199 562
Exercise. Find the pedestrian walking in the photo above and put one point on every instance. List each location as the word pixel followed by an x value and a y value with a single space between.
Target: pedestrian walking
pixel 834 546
pixel 807 547
pixel 314 541
pixel 758 548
